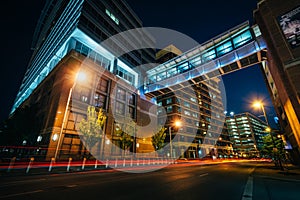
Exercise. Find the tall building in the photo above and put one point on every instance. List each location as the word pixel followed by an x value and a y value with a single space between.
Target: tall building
pixel 69 38
pixel 83 25
pixel 279 23
pixel 192 115
pixel 246 132
pixel 201 132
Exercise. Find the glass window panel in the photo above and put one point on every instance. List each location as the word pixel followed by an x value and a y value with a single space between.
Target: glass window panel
pixel 209 55
pixel 121 94
pixel 242 38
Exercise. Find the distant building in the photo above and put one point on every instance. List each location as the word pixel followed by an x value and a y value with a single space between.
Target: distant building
pixel 202 132
pixel 167 53
pixel 279 23
pixel 246 132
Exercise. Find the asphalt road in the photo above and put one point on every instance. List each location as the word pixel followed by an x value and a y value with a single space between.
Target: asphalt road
pixel 232 181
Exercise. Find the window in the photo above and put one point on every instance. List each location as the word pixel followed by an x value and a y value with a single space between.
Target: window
pixel 94 56
pixel 224 48
pixel 193 99
pixel 125 75
pixel 101 93
pixel 132 112
pixel 116 20
pixel 121 94
pixel 186 104
pixel 120 108
pixel 209 55
pixel 183 67
pixel 132 99
pixel 103 85
pixel 169 101
pixel 100 100
pixel 188 113
pixel 169 109
pixel 242 38
pixel 84 95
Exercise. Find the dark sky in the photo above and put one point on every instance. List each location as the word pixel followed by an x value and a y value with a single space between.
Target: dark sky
pixel 201 20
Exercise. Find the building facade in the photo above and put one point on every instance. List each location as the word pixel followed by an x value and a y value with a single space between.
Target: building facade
pixel 279 25
pixel 246 133
pixel 84 25
pixel 202 132
pixel 73 36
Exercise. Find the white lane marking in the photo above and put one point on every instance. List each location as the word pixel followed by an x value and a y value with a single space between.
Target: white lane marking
pixel 248 191
pixel 19 194
pixel 203 174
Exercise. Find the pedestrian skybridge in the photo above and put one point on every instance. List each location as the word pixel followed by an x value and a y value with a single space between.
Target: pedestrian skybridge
pixel 235 49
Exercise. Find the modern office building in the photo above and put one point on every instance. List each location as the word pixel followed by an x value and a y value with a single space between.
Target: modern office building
pixel 69 38
pixel 201 131
pixel 84 25
pixel 279 23
pixel 246 132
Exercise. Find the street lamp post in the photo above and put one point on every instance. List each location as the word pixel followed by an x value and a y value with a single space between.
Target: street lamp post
pixel 80 76
pixel 176 124
pixel 171 148
pixel 260 105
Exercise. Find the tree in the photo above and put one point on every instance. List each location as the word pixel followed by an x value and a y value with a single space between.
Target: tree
pixel 273 148
pixel 91 128
pixel 126 136
pixel 158 139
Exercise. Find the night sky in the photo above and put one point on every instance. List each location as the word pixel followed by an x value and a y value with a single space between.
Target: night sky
pixel 201 20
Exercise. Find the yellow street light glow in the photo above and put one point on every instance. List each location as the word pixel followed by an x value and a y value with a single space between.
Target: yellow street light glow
pixel 81 76
pixel 268 129
pixel 177 123
pixel 257 104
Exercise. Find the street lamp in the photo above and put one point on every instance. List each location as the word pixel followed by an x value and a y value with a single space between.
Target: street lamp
pixel 80 76
pixel 260 105
pixel 176 124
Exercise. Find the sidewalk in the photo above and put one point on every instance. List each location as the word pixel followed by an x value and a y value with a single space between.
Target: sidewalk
pixel 268 170
pixel 271 183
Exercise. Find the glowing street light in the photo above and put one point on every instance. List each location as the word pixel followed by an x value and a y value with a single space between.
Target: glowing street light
pixel 176 124
pixel 80 77
pixel 260 105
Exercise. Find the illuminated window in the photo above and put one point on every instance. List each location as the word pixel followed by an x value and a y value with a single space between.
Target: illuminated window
pixel 188 113
pixel 169 109
pixel 224 48
pixel 186 104
pixel 169 101
pixel 242 39
pixel 125 75
pixel 100 100
pixel 193 99
pixel 183 67
pixel 209 55
pixel 112 16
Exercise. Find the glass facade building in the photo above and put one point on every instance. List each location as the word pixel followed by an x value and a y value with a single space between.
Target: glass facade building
pixel 246 132
pixel 82 25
